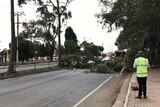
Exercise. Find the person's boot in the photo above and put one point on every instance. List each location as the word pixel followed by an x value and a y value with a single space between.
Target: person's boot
pixel 145 97
pixel 139 97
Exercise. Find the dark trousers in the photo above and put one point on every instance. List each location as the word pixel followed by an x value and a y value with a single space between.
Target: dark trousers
pixel 142 85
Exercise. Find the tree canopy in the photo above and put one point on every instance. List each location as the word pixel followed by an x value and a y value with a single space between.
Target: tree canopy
pixel 71 42
pixel 46 27
pixel 26 49
pixel 70 35
pixel 140 24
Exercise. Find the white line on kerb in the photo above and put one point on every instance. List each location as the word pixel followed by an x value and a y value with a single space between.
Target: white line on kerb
pixel 84 98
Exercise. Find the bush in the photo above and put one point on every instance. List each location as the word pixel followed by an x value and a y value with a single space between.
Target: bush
pixel 70 61
pixel 116 64
pixel 129 69
pixel 113 65
pixel 101 68
pixel 85 65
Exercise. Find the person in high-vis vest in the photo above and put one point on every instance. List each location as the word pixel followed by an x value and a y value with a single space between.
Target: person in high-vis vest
pixel 142 66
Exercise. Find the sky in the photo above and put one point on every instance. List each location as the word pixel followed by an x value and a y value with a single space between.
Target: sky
pixel 83 22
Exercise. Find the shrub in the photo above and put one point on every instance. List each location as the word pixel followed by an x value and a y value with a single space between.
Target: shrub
pixel 70 61
pixel 101 68
pixel 116 64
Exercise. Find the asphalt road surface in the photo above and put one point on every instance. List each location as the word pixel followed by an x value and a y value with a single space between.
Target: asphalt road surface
pixel 61 88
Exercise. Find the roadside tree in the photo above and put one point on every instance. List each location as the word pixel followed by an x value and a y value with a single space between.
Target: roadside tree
pixel 139 24
pixel 59 9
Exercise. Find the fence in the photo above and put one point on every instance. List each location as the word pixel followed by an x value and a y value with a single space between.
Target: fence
pixel 29 66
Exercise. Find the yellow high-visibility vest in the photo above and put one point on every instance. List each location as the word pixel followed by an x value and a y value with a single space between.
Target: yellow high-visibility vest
pixel 141 67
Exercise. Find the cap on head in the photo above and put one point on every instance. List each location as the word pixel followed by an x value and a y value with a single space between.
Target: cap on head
pixel 139 53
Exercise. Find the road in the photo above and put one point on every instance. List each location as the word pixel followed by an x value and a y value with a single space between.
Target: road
pixel 61 88
pixel 29 66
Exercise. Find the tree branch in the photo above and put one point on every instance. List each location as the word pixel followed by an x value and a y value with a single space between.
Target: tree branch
pixel 66 4
pixel 52 3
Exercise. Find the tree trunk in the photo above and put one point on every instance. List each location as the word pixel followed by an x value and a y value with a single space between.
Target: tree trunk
pixel 52 50
pixel 13 46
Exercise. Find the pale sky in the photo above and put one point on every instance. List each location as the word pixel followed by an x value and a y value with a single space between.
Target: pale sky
pixel 83 22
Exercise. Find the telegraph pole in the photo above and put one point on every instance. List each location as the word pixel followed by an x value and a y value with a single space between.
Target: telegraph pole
pixel 18 14
pixel 13 46
pixel 17 61
pixel 59 33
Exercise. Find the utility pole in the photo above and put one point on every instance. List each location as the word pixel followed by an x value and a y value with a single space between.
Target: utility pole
pixel 103 48
pixel 18 14
pixel 59 33
pixel 17 61
pixel 13 46
pixel 0 42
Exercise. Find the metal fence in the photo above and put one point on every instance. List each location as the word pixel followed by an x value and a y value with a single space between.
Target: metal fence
pixel 29 66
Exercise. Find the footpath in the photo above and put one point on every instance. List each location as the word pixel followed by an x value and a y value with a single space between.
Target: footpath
pixel 153 91
pixel 126 97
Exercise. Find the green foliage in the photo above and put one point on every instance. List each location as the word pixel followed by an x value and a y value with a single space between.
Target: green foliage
pixel 70 35
pixel 46 27
pixel 20 2
pixel 70 47
pixel 140 22
pixel 26 49
pixel 90 50
pixel 116 64
pixel 43 29
pixel 101 68
pixel 43 51
pixel 70 61
pixel 76 61
pixel 110 66
pixel 129 69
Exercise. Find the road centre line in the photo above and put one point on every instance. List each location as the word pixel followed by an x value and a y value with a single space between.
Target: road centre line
pixel 84 98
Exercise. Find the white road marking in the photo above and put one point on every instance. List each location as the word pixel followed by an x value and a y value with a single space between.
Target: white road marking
pixel 84 98
pixel 127 96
